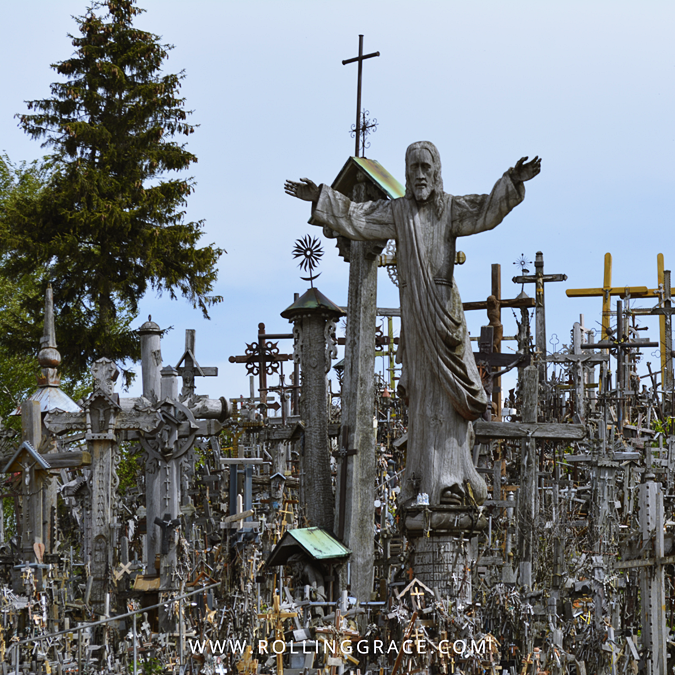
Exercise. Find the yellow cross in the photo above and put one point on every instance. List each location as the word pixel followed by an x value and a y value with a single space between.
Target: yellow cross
pixel 608 290
pixel 417 592
pixel 276 618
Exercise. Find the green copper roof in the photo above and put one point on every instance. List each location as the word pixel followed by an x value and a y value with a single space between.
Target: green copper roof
pixel 346 179
pixel 318 543
pixel 311 541
pixel 312 300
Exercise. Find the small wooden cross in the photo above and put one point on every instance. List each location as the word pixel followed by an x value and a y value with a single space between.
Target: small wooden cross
pixel 121 571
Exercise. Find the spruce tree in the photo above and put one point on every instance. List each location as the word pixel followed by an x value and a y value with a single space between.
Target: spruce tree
pixel 109 224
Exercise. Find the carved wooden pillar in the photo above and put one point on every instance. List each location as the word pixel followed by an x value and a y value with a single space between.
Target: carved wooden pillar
pixel 101 411
pixel 314 315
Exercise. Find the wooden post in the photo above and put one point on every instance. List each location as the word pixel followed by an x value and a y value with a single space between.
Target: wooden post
pixel 31 508
pixel 498 335
pixel 528 497
pixel 606 296
pixel 652 589
pixel 666 318
pixel 358 394
pixel 540 279
pixel 101 412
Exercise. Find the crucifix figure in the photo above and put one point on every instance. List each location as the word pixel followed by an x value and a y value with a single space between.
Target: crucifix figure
pixel 166 525
pixel 439 378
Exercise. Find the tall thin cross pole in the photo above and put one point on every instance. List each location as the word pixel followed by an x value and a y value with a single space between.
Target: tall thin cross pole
pixel 360 59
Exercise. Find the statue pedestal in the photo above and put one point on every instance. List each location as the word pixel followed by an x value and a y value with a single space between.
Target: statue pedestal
pixel 442 563
pixel 442 560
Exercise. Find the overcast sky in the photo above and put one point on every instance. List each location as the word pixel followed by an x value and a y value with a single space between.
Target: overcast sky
pixel 588 86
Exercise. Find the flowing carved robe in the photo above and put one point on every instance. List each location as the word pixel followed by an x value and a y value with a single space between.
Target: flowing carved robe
pixel 439 371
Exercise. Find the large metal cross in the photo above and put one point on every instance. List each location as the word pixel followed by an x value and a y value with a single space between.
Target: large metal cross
pixel 262 358
pixel 359 59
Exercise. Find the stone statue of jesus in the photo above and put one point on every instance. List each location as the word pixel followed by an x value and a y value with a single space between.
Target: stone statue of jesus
pixel 439 379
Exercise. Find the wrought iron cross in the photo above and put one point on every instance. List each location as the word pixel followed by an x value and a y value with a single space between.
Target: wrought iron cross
pixel 359 59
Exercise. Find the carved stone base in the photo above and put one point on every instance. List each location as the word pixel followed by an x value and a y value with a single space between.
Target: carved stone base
pixel 442 563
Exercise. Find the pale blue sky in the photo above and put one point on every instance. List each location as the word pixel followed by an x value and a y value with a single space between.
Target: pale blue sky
pixel 586 85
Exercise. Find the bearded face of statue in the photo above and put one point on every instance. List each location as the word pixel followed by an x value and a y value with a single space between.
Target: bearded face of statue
pixel 421 174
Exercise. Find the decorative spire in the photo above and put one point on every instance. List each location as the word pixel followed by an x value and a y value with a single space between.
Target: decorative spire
pixel 49 357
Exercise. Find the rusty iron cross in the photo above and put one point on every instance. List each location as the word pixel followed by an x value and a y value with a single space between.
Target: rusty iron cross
pixel 359 59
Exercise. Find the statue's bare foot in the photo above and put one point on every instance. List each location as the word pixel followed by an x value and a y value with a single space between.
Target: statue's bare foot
pixel 453 495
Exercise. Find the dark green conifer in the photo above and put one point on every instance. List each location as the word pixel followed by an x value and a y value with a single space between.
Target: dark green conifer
pixel 110 223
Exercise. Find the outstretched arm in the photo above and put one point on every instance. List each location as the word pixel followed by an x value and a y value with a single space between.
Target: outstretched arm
pixel 369 220
pixel 524 170
pixel 306 189
pixel 478 213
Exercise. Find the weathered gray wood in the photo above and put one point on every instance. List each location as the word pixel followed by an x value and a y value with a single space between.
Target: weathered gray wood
pixel 354 517
pixel 528 496
pixel 315 464
pixel 649 562
pixel 541 430
pixel 588 358
pixel 32 515
pixel 239 516
pixel 59 422
pixel 65 460
pixel 652 581
pixel 151 358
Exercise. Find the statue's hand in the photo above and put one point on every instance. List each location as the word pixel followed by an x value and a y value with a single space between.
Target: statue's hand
pixel 306 189
pixel 524 170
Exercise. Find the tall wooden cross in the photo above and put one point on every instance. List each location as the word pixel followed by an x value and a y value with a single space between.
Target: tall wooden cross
pixel 664 310
pixel 539 279
pixel 606 292
pixel 359 59
pixel 494 305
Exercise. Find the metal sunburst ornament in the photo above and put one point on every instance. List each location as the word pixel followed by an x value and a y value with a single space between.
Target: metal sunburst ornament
pixel 524 263
pixel 309 250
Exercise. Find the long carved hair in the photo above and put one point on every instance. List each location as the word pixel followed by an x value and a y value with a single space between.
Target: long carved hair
pixel 438 195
